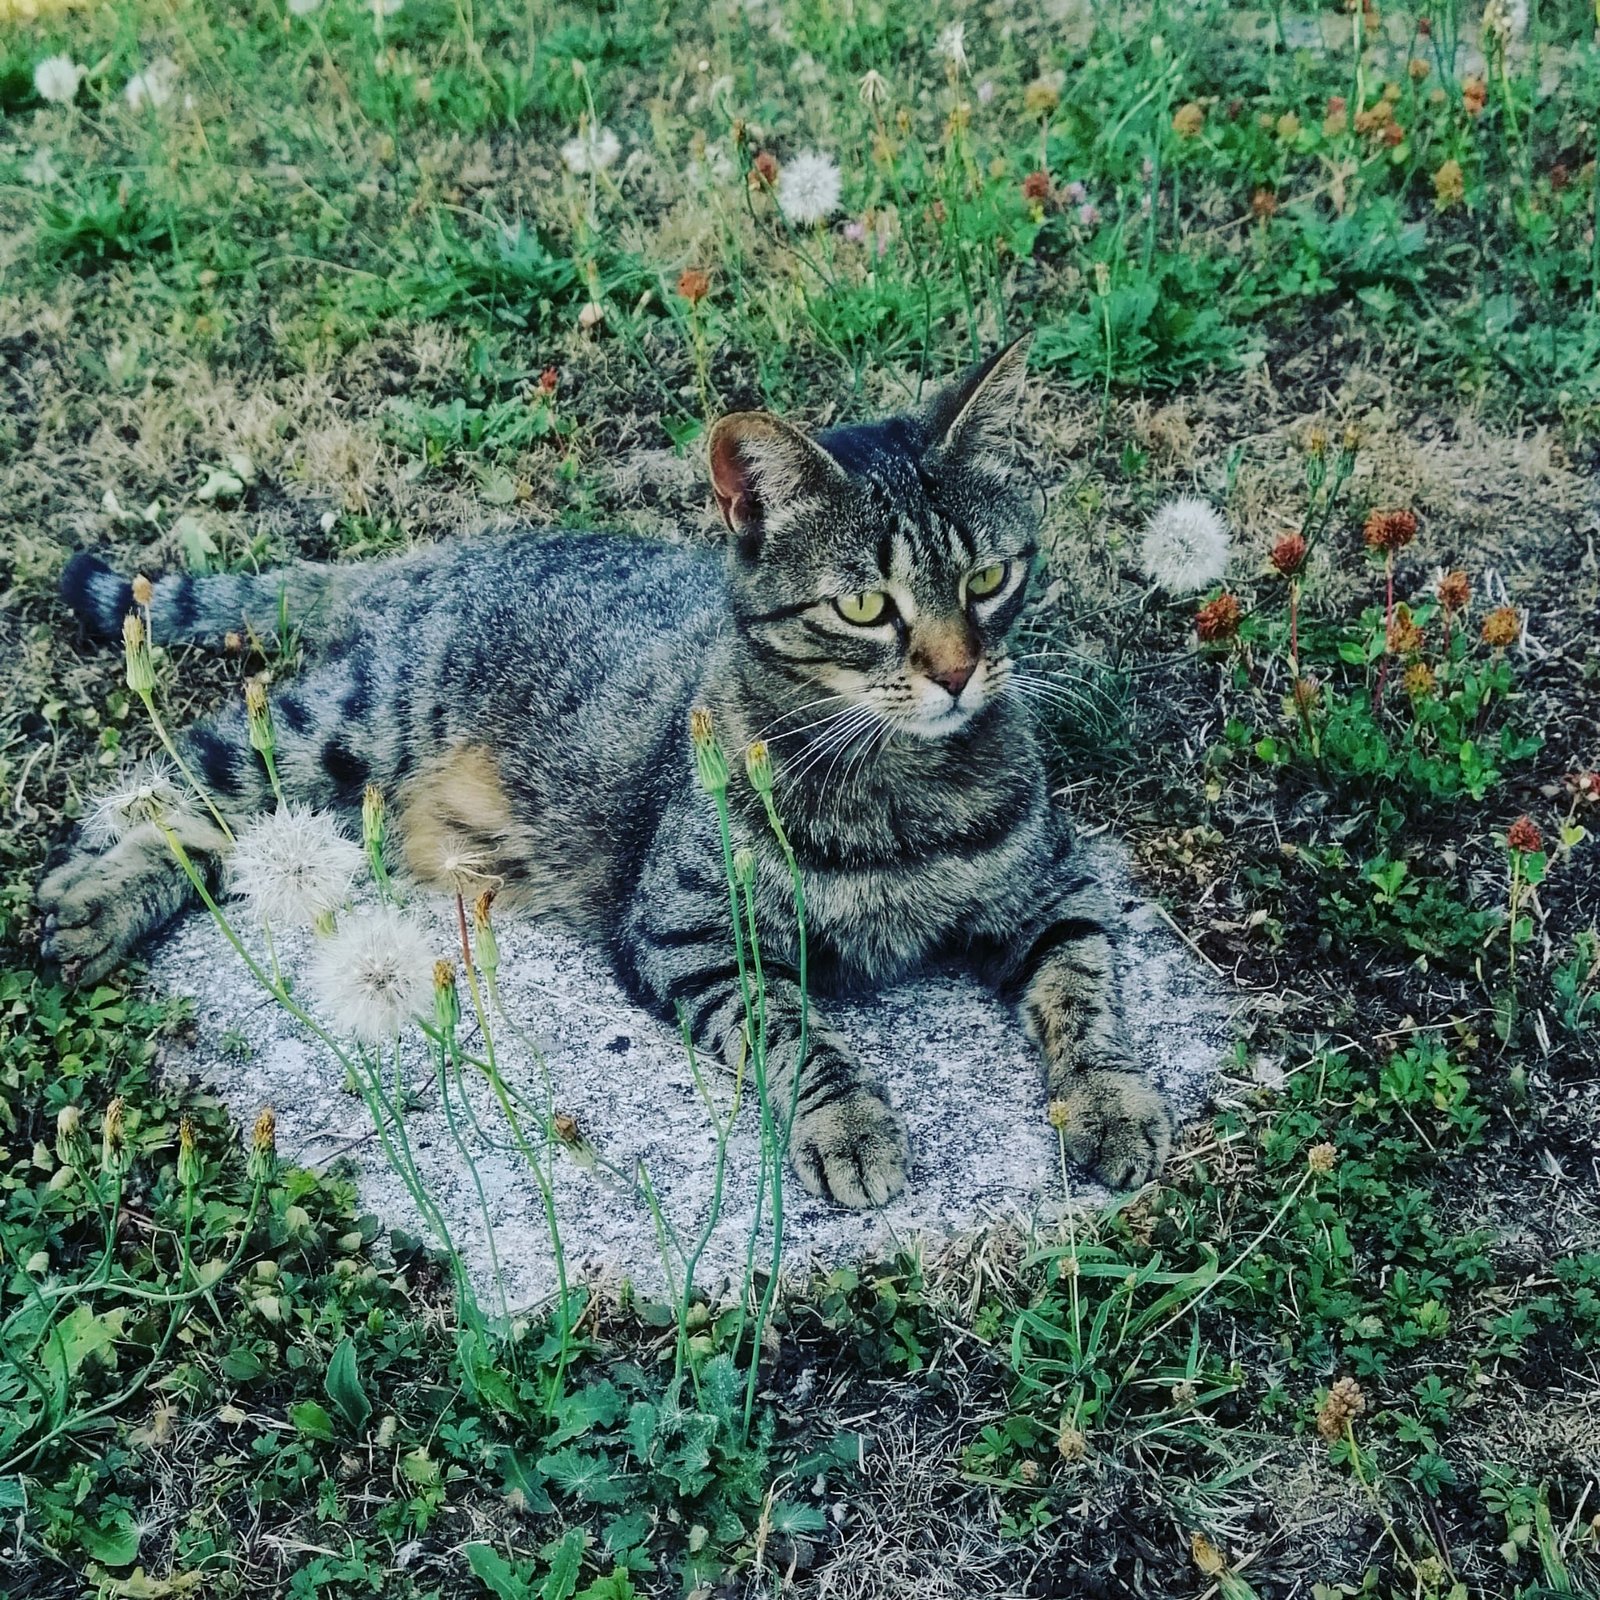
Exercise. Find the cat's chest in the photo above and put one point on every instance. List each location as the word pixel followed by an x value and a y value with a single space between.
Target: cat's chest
pixel 876 923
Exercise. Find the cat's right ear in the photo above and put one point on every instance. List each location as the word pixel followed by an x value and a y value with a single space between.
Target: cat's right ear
pixel 762 469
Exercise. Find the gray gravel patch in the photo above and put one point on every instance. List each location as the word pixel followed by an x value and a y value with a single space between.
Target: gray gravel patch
pixel 952 1057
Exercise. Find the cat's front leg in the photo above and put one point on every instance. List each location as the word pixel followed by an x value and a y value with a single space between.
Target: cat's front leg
pixel 846 1141
pixel 1061 971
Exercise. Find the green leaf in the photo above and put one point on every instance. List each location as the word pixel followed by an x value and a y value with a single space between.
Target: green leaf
pixel 113 1539
pixel 564 1557
pixel 242 1365
pixel 311 1420
pixel 617 1586
pixel 343 1384
pixel 491 1568
pixel 585 1474
pixel 13 1495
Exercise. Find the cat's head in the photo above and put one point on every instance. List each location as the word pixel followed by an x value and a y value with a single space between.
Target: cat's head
pixel 884 563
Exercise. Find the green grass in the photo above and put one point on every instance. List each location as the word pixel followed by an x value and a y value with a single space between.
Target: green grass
pixel 345 265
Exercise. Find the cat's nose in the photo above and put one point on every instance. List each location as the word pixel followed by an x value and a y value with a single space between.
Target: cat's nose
pixel 955 678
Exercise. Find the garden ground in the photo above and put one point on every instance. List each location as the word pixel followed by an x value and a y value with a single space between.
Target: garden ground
pixel 332 280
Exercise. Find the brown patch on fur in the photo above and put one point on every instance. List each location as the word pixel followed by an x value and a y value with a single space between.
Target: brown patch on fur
pixel 459 833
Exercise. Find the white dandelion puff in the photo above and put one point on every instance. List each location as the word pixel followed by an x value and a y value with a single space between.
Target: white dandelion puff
pixel 42 169
pixel 809 187
pixel 303 8
pixel 952 45
pixel 593 150
pixel 294 866
pixel 373 975
pixel 56 79
pixel 153 86
pixel 1185 547
pixel 151 790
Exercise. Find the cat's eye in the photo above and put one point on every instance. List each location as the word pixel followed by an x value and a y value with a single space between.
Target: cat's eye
pixel 986 580
pixel 864 608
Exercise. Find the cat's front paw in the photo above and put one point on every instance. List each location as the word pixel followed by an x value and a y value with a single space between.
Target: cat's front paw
pixel 1116 1124
pixel 93 910
pixel 853 1151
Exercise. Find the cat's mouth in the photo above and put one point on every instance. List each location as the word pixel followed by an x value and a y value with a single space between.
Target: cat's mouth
pixel 936 713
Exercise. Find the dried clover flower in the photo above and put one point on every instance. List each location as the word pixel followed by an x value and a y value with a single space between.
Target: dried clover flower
pixel 1455 591
pixel 1405 637
pixel 1523 834
pixel 1344 1403
pixel 1419 680
pixel 694 285
pixel 1188 119
pixel 1322 1158
pixel 1218 619
pixel 1389 530
pixel 1288 555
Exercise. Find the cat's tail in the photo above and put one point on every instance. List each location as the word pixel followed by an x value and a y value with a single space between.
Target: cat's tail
pixel 206 608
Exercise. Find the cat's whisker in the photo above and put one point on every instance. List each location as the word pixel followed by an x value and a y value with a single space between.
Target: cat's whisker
pixel 796 711
pixel 870 729
pixel 851 722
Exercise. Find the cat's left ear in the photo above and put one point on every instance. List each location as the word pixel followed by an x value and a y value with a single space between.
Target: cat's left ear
pixel 970 422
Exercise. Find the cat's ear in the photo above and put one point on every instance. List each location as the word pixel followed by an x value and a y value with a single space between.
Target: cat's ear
pixel 970 422
pixel 761 465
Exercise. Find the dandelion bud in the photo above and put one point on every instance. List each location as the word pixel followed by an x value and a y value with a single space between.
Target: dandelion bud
pixel 72 1142
pixel 1218 620
pixel 1344 1403
pixel 143 591
pixel 446 1004
pixel 188 1156
pixel 1524 835
pixel 566 1128
pixel 1071 1444
pixel 1350 441
pixel 116 1154
pixel 1321 1159
pixel 1288 555
pixel 1205 1555
pixel 1502 627
pixel 485 946
pixel 873 89
pixel 758 766
pixel 710 764
pixel 744 866
pixel 259 715
pixel 263 1147
pixel 136 655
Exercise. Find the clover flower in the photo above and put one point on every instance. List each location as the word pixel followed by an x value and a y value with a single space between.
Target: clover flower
pixel 1502 627
pixel 374 975
pixel 294 866
pixel 808 188
pixel 1188 119
pixel 1185 546
pixel 1524 835
pixel 1321 1159
pixel 1418 681
pixel 1306 695
pixel 1036 186
pixel 1455 591
pixel 694 285
pixel 1405 638
pixel 1449 184
pixel 56 79
pixel 592 150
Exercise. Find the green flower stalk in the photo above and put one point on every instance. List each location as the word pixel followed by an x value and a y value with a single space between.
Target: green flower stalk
pixel 263 737
pixel 263 1158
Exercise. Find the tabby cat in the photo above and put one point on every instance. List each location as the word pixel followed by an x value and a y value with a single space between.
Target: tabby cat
pixel 522 701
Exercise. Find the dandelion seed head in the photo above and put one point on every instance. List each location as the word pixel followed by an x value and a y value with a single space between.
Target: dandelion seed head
pixel 951 45
pixel 809 188
pixel 294 866
pixel 56 79
pixel 373 975
pixel 592 150
pixel 153 86
pixel 1186 546
pixel 150 789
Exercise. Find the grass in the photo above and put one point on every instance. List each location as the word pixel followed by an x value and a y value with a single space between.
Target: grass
pixel 340 292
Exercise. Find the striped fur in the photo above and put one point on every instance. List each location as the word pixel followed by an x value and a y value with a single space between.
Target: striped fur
pixel 523 701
